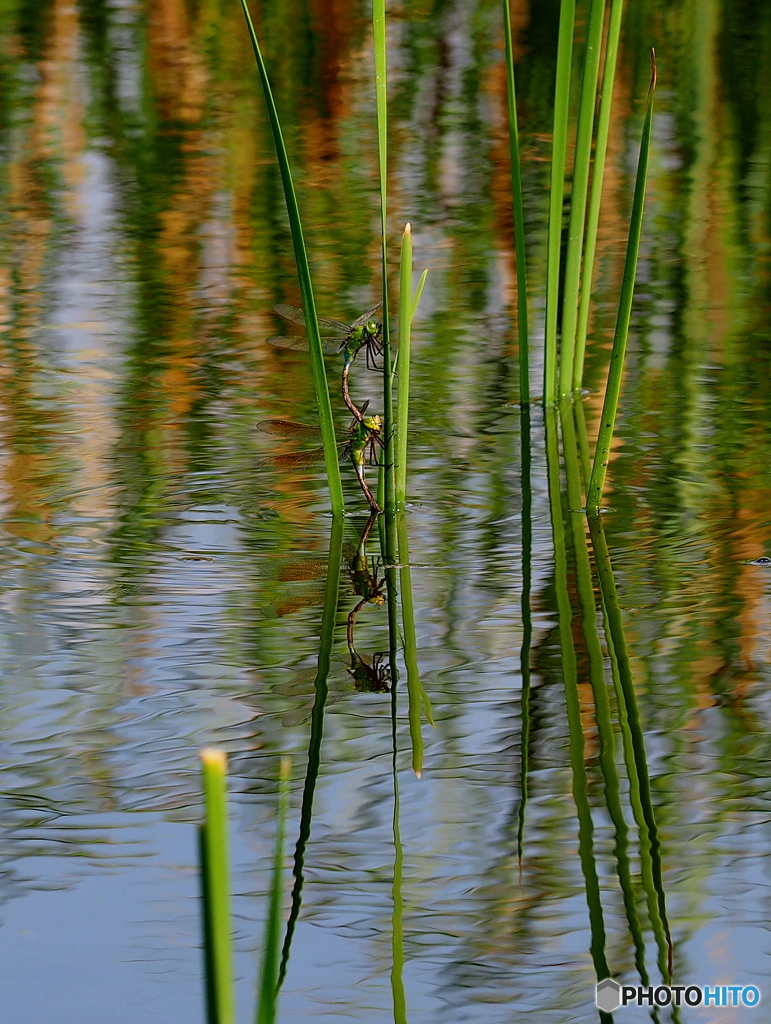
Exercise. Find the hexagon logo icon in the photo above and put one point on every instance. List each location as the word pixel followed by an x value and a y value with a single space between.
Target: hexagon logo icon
pixel 608 996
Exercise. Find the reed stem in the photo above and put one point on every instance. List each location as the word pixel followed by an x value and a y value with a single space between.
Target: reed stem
pixel 616 371
pixel 556 194
pixel 518 209
pixel 579 194
pixel 216 888
pixel 271 954
pixel 403 378
pixel 595 199
pixel 326 422
pixel 381 104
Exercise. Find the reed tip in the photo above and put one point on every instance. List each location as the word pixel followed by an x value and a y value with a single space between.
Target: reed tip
pixel 213 757
pixel 408 229
pixel 419 772
pixel 285 769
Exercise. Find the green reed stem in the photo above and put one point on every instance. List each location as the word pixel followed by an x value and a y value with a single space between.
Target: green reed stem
pixel 602 708
pixel 381 103
pixel 595 200
pixel 403 380
pixel 216 888
pixel 518 208
pixel 527 626
pixel 397 919
pixel 579 192
pixel 418 293
pixel 326 422
pixel 616 371
pixel 556 194
pixel 321 687
pixel 635 755
pixel 417 698
pixel 573 704
pixel 266 1007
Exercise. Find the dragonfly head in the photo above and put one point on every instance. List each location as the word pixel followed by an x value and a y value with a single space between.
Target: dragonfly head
pixel 373 328
pixel 374 424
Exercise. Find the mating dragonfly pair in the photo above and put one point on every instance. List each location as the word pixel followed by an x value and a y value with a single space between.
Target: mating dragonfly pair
pixel 360 442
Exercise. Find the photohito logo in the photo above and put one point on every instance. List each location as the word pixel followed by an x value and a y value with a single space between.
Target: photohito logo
pixel 610 995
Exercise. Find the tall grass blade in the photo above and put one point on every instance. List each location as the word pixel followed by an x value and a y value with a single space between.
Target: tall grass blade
pixel 595 200
pixel 326 421
pixel 616 371
pixel 321 686
pixel 634 751
pixel 556 194
pixel 381 104
pixel 518 212
pixel 403 379
pixel 527 627
pixel 573 705
pixel 216 888
pixel 397 919
pixel 418 702
pixel 602 708
pixel 418 293
pixel 266 1006
pixel 579 192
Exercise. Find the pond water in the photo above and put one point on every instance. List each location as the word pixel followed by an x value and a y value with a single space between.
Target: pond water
pixel 162 591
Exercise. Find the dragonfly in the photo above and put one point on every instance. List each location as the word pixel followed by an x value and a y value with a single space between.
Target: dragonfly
pixel 349 339
pixel 359 444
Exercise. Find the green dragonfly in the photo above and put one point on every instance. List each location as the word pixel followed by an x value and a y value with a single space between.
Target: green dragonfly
pixel 349 339
pixel 359 444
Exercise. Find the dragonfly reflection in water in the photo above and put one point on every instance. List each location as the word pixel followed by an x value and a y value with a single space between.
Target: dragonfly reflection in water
pixel 370 676
pixel 362 333
pixel 359 444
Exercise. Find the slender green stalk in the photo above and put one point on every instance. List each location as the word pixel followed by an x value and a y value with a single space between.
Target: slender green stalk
pixel 634 750
pixel 326 421
pixel 556 194
pixel 579 192
pixel 403 379
pixel 321 686
pixel 418 293
pixel 266 1006
pixel 408 306
pixel 416 694
pixel 381 103
pixel 602 708
pixel 397 920
pixel 219 956
pixel 595 200
pixel 527 626
pixel 518 212
pixel 616 371
pixel 573 705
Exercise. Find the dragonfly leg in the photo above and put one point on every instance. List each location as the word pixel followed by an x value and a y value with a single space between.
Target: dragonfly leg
pixel 371 357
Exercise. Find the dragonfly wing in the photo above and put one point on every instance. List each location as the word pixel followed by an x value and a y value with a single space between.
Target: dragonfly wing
pixel 287 428
pixel 330 346
pixel 295 344
pixel 366 316
pixel 294 460
pixel 292 313
pixel 334 325
pixel 296 316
